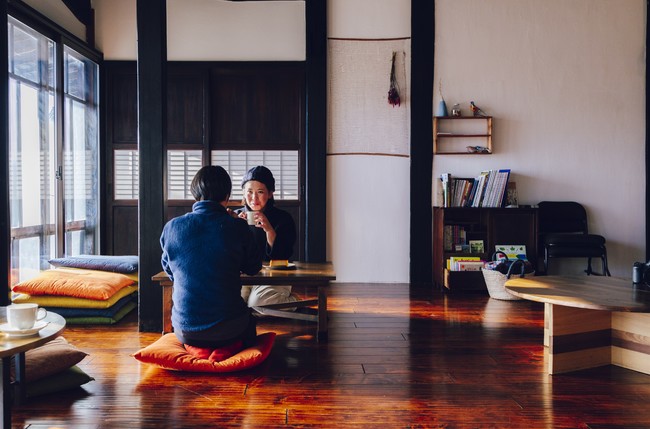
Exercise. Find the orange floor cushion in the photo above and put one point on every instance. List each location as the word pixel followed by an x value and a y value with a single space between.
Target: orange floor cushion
pixel 169 353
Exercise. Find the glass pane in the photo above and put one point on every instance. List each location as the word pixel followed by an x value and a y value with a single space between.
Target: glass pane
pixel 27 252
pixel 24 54
pixel 75 82
pixel 75 243
pixel 283 164
pixel 182 165
pixel 32 150
pixel 80 152
pixel 126 174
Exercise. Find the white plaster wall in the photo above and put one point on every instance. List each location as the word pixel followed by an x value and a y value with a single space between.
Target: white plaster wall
pixel 58 12
pixel 565 82
pixel 368 218
pixel 115 29
pixel 367 195
pixel 204 30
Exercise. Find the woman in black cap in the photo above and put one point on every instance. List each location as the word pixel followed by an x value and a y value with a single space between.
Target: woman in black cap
pixel 275 232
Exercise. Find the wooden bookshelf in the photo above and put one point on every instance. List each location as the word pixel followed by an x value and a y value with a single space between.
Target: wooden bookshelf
pixel 452 134
pixel 493 226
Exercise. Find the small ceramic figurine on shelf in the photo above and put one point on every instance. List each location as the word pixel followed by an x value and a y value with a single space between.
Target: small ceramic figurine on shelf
pixel 476 111
pixel 455 110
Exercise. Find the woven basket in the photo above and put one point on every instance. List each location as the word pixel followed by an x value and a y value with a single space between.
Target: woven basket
pixel 495 282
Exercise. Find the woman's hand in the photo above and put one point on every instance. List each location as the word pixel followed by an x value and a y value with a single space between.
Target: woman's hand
pixel 261 221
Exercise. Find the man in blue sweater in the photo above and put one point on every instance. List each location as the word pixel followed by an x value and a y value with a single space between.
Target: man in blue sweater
pixel 204 252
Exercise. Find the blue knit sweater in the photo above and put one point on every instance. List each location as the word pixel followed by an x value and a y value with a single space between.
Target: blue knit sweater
pixel 204 252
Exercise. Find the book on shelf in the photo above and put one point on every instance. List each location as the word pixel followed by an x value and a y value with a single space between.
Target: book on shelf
pixel 467 263
pixel 476 246
pixel 453 235
pixel 511 195
pixel 488 189
pixel 512 251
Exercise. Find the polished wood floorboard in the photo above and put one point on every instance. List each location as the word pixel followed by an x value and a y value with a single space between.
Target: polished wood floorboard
pixel 395 358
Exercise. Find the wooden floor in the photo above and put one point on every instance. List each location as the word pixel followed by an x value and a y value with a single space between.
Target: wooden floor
pixel 394 359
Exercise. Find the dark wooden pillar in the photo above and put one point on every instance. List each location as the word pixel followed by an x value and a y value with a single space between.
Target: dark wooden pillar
pixel 152 137
pixel 422 49
pixel 316 122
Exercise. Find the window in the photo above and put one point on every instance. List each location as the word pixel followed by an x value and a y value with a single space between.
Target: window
pixel 54 190
pixel 126 174
pixel 283 164
pixel 182 165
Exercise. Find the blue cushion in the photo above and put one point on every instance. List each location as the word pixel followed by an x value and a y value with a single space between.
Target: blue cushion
pixel 118 264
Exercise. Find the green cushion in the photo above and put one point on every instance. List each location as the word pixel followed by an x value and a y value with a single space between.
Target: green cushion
pixel 65 380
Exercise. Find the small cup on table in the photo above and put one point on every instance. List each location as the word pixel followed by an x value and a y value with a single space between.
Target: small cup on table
pixel 24 316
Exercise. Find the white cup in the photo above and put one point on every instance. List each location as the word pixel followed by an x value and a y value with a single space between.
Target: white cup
pixel 250 217
pixel 24 316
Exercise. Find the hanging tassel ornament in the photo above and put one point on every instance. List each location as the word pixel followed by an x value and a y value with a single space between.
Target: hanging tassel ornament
pixel 393 92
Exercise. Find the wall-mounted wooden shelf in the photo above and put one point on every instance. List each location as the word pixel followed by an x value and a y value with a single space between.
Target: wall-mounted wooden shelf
pixel 453 134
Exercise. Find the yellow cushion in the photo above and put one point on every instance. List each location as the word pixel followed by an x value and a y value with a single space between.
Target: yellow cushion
pixel 169 353
pixel 89 284
pixel 72 302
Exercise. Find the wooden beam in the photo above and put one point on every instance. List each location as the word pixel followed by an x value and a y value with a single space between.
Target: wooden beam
pixel 422 51
pixel 152 138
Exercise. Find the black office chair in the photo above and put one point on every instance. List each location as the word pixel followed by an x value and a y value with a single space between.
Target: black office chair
pixel 563 233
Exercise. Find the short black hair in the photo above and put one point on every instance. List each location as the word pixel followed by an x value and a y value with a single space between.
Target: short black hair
pixel 211 183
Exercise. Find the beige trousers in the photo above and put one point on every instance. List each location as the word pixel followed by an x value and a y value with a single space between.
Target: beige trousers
pixel 263 295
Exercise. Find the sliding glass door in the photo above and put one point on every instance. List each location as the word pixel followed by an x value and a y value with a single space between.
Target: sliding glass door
pixel 53 154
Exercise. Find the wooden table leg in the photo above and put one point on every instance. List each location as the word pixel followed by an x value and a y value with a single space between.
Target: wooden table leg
pixel 20 387
pixel 577 338
pixel 167 308
pixel 321 331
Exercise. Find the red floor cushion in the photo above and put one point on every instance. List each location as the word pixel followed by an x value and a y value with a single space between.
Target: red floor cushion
pixel 169 353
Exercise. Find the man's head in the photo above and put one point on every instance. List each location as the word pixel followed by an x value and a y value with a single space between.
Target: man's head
pixel 211 183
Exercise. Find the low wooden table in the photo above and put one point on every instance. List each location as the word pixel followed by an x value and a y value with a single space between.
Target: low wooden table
pixel 10 346
pixel 591 321
pixel 306 274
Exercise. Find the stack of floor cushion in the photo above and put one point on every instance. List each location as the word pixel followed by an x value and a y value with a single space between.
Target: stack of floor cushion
pixel 84 289
pixel 52 367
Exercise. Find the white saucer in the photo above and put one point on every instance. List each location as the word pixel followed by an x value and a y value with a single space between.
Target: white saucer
pixel 13 332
